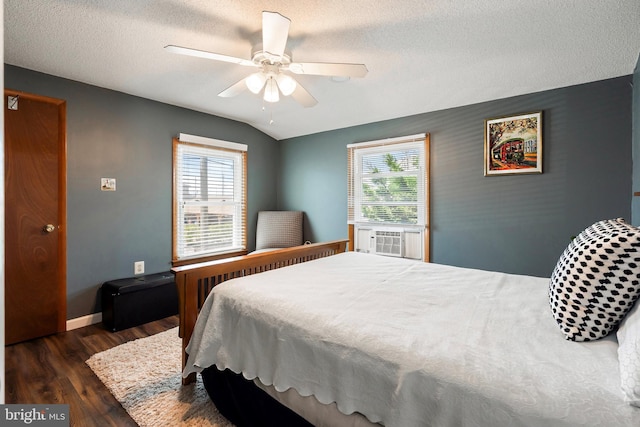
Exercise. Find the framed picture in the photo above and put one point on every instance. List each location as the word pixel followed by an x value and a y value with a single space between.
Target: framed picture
pixel 513 144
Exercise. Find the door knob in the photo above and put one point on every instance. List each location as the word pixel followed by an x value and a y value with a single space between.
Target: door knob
pixel 48 228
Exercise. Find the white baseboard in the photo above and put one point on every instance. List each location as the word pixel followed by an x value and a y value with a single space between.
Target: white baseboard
pixel 87 320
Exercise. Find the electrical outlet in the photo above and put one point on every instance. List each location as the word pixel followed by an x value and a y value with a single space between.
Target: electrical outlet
pixel 138 267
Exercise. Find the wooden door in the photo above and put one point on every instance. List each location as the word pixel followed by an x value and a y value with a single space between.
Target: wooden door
pixel 35 216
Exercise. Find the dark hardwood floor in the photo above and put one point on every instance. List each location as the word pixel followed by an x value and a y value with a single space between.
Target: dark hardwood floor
pixel 53 370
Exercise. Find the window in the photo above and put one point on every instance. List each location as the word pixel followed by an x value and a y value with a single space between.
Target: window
pixel 209 196
pixel 388 191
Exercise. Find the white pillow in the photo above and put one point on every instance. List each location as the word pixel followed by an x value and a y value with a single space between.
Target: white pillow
pixel 596 280
pixel 629 356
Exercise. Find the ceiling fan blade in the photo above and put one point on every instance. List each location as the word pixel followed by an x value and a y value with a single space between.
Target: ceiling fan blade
pixel 275 31
pixel 302 97
pixel 328 69
pixel 209 55
pixel 233 90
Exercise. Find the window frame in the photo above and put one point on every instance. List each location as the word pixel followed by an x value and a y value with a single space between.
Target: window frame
pixel 224 149
pixel 355 152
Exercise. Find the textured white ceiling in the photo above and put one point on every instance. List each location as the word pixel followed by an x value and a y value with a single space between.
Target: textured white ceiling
pixel 422 55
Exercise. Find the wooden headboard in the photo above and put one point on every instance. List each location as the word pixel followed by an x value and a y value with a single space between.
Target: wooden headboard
pixel 195 281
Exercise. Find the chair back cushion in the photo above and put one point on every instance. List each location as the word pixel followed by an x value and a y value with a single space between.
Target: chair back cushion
pixel 279 229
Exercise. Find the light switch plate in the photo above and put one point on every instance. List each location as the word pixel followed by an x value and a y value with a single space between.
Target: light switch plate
pixel 108 184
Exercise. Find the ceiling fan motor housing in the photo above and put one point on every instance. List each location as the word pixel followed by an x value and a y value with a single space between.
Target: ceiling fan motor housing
pixel 261 57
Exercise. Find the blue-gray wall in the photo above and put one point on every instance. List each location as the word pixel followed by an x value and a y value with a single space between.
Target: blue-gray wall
pixel 114 135
pixel 635 204
pixel 510 223
pixel 518 223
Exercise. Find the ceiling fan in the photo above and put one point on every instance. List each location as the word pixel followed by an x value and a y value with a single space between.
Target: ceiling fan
pixel 273 60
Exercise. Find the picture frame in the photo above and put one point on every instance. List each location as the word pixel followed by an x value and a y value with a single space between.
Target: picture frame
pixel 513 144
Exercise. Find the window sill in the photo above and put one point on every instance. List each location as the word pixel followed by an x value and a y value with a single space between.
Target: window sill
pixel 181 262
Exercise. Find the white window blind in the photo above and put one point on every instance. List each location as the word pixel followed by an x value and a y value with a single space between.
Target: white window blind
pixel 209 197
pixel 387 182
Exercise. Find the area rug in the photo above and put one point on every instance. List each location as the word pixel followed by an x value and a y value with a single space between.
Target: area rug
pixel 144 376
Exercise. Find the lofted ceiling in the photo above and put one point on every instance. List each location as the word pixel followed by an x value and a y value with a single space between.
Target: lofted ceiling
pixel 422 55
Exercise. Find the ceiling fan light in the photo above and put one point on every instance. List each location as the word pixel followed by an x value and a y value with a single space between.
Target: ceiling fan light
pixel 255 82
pixel 271 93
pixel 286 84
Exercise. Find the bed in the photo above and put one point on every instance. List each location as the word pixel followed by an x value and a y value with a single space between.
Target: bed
pixel 195 281
pixel 361 340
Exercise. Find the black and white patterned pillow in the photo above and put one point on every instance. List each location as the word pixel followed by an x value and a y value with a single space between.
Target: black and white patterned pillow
pixel 596 280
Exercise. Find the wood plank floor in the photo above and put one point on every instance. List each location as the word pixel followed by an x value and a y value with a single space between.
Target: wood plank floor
pixel 53 370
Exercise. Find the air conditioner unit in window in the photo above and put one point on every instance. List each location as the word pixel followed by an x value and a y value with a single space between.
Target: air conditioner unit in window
pixel 398 242
pixel 388 242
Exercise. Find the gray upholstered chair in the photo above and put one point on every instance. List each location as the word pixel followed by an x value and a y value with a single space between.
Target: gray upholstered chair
pixel 279 229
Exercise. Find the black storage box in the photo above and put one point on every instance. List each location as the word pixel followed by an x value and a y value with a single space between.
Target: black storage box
pixel 137 300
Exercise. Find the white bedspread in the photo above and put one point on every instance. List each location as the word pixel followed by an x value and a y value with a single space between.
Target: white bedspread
pixel 407 343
